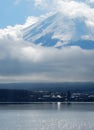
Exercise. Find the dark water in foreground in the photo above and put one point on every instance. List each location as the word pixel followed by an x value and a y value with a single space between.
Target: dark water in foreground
pixel 48 116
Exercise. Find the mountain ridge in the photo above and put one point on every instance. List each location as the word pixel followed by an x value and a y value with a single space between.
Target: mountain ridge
pixel 57 30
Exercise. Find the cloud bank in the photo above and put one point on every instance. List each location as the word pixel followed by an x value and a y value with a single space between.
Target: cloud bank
pixel 24 61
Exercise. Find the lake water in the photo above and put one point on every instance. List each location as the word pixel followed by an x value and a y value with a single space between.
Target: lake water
pixel 47 116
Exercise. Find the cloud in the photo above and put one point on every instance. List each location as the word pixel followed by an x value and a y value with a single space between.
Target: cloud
pixel 78 11
pixel 31 20
pixel 83 9
pixel 15 32
pixel 24 61
pixel 90 1
pixel 75 9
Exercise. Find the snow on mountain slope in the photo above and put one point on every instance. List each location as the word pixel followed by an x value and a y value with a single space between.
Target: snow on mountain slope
pixel 58 30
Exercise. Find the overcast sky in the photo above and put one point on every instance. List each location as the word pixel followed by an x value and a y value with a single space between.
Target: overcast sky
pixel 21 61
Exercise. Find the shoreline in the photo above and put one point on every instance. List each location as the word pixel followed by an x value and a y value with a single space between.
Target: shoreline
pixel 22 103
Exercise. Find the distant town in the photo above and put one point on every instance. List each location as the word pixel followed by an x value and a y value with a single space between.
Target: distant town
pixel 27 96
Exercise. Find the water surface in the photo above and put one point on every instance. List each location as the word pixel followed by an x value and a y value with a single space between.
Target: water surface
pixel 47 116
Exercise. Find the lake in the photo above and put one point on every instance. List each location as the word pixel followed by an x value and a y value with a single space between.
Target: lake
pixel 47 116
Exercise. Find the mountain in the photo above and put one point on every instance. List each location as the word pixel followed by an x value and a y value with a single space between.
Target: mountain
pixel 46 92
pixel 57 30
pixel 63 86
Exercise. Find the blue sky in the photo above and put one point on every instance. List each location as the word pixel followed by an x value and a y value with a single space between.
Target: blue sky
pixel 12 13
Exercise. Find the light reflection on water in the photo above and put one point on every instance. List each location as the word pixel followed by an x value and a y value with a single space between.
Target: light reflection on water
pixel 47 116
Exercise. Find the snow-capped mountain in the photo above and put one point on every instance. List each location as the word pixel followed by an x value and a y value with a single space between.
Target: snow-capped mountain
pixel 58 30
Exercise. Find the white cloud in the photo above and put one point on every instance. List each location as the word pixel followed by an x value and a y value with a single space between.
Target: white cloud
pixel 15 32
pixel 74 9
pixel 81 9
pixel 30 20
pixel 90 1
pixel 23 61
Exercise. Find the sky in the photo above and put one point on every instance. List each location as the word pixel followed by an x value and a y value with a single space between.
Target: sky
pixel 21 61
pixel 14 12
